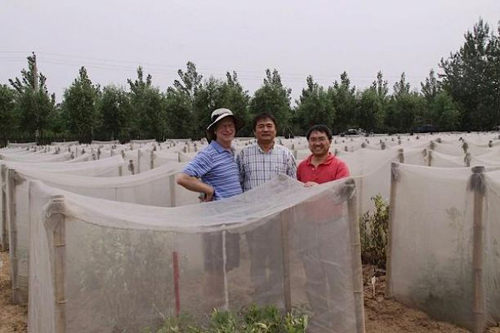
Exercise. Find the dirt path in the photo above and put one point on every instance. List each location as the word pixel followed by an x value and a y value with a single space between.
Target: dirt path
pixel 381 315
pixel 13 318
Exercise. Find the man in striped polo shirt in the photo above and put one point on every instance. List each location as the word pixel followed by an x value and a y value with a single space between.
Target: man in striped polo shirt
pixel 258 164
pixel 214 173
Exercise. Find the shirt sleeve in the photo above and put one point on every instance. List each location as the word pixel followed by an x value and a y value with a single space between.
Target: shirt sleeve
pixel 342 170
pixel 199 166
pixel 291 168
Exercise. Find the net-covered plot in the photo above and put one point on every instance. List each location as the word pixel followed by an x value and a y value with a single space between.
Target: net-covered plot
pixel 104 167
pixel 444 251
pixel 105 266
pixel 155 188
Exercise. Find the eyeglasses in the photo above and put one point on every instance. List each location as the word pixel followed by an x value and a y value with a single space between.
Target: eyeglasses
pixel 226 126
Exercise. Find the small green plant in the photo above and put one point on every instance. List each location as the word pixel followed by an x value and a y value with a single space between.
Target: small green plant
pixel 374 232
pixel 249 320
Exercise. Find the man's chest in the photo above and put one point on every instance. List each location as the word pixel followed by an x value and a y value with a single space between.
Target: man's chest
pixel 265 164
pixel 320 174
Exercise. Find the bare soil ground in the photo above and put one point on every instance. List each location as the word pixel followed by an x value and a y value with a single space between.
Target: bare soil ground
pixel 381 315
pixel 13 318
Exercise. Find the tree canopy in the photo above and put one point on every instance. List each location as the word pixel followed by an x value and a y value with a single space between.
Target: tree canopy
pixel 463 94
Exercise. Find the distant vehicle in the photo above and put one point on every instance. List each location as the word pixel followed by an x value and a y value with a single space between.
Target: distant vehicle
pixel 353 132
pixel 426 128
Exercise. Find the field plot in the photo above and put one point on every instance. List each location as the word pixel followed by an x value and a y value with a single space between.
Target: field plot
pixel 102 239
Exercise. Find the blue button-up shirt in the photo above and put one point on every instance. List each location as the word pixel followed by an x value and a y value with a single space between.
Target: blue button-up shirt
pixel 216 166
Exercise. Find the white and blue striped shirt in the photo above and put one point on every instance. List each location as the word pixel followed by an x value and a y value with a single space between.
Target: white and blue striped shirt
pixel 257 166
pixel 216 167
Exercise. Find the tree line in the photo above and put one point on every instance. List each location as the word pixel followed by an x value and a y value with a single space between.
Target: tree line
pixel 464 96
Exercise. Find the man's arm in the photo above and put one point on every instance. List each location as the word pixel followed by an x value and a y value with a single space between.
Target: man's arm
pixel 291 165
pixel 196 185
pixel 189 178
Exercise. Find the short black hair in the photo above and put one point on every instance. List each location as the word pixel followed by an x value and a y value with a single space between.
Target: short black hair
pixel 320 128
pixel 262 116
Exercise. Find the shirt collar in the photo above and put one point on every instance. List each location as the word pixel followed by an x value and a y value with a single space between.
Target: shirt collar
pixel 265 152
pixel 328 161
pixel 219 148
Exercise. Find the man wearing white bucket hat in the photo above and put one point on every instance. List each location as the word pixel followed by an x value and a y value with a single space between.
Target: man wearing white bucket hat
pixel 214 173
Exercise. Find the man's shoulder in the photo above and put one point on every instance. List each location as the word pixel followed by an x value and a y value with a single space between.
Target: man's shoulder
pixel 248 149
pixel 304 162
pixel 208 150
pixel 282 149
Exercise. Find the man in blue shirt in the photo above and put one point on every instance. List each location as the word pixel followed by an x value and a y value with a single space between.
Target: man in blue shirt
pixel 214 173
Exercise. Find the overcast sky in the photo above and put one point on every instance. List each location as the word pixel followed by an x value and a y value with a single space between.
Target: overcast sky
pixel 317 37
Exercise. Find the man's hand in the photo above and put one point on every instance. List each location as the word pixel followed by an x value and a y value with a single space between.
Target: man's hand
pixel 207 197
pixel 194 184
pixel 309 184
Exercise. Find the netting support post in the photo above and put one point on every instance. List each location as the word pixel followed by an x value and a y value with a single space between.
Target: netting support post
pixel 479 301
pixel 401 155
pixel 55 213
pixel 4 246
pixel 429 157
pixel 139 160
pixel 285 251
pixel 177 293
pixel 392 208
pixel 120 168
pixel 355 256
pixel 172 183
pixel 131 167
pixel 152 160
pixel 12 224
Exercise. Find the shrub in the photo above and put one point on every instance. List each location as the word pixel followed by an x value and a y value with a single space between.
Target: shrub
pixel 249 320
pixel 374 232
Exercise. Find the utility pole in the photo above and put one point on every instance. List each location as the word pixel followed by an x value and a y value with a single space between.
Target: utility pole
pixel 35 88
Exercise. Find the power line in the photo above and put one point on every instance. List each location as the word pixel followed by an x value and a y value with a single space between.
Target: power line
pixel 104 63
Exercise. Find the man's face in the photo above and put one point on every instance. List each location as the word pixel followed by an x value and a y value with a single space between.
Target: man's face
pixel 319 143
pixel 265 131
pixel 225 130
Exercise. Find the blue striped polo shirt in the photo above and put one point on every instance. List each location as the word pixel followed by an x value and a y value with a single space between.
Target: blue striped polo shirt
pixel 216 167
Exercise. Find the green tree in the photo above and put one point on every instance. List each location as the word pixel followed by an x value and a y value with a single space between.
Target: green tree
pixel 34 105
pixel 190 81
pixel 344 101
pixel 8 123
pixel 431 87
pixel 208 98
pixel 273 97
pixel 148 112
pixel 446 112
pixel 471 77
pixel 114 112
pixel 381 87
pixel 79 107
pixel 214 94
pixel 179 114
pixel 405 109
pixel 235 98
pixel 314 107
pixel 370 110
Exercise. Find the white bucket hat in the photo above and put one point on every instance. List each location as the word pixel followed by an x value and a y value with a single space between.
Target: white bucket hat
pixel 218 115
